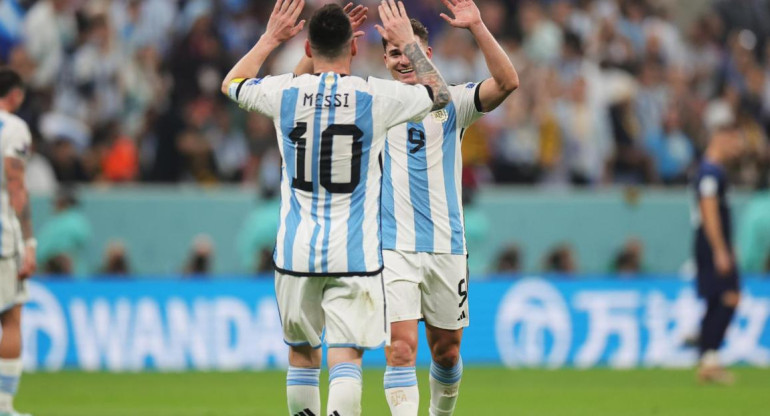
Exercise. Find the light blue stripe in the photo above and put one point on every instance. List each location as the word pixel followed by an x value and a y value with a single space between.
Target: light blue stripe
pixel 9 384
pixel 356 249
pixel 345 370
pixel 400 377
pixel 388 204
pixel 328 204
pixel 419 192
pixel 313 383
pixel 448 148
pixel 293 217
pixel 447 375
pixel 314 172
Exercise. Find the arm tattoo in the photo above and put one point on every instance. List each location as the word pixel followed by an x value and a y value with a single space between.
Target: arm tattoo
pixel 17 193
pixel 427 74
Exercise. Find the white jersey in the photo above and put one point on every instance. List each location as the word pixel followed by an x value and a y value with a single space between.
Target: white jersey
pixel 15 141
pixel 331 131
pixel 422 178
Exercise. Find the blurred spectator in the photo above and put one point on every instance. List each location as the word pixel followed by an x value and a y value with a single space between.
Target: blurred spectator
pixel 629 260
pixel 509 260
pixel 201 258
pixel 613 91
pixel 115 261
pixel 64 238
pixel 671 150
pixel 560 259
pixel 39 175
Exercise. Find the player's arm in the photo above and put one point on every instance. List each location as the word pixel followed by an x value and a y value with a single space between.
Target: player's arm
pixel 19 201
pixel 281 27
pixel 357 16
pixel 397 29
pixel 712 226
pixel 505 79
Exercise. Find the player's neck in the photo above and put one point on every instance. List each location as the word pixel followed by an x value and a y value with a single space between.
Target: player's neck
pixel 338 67
pixel 5 106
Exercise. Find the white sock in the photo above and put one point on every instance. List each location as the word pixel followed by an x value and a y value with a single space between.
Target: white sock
pixel 444 387
pixel 10 374
pixel 302 391
pixel 345 384
pixel 401 391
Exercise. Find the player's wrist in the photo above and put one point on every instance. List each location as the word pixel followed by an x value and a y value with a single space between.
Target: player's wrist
pixel 30 243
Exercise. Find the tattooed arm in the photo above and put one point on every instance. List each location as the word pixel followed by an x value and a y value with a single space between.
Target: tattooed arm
pixel 428 75
pixel 19 199
pixel 397 29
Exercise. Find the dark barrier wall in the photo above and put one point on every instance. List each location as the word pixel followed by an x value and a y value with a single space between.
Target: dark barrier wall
pixel 234 324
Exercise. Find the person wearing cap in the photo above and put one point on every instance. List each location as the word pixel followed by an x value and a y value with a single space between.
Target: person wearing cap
pixel 717 274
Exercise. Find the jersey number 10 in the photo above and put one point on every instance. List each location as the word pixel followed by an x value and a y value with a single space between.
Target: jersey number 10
pixel 327 144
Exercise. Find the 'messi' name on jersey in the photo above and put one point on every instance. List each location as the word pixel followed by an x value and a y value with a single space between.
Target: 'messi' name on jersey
pixel 326 100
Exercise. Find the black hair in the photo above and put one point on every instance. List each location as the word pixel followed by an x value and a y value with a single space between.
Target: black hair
pixel 419 30
pixel 329 31
pixel 9 80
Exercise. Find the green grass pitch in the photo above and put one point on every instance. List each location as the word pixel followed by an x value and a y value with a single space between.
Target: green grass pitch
pixel 484 391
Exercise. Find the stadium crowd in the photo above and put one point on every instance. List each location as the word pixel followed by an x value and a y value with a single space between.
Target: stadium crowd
pixel 613 91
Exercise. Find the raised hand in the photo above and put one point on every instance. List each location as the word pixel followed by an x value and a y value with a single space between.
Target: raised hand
pixel 357 16
pixel 283 25
pixel 396 27
pixel 466 13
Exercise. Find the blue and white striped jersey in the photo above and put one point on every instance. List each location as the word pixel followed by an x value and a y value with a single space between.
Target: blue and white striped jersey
pixel 16 142
pixel 331 132
pixel 422 178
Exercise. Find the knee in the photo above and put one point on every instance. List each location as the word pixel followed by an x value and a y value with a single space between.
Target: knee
pixel 403 352
pixel 446 354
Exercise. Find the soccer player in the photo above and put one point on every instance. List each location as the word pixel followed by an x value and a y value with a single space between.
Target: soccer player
pixel 17 244
pixel 717 274
pixel 422 220
pixel 331 130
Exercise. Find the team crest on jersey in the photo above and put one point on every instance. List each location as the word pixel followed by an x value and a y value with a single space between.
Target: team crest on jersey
pixel 440 115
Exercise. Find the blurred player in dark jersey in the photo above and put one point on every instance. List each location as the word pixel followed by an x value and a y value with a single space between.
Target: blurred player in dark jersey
pixel 717 273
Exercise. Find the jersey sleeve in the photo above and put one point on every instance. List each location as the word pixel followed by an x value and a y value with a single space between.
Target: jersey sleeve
pixel 467 103
pixel 16 140
pixel 401 102
pixel 708 186
pixel 259 94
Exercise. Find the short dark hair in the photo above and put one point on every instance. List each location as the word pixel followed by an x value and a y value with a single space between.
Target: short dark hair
pixel 9 80
pixel 329 31
pixel 419 30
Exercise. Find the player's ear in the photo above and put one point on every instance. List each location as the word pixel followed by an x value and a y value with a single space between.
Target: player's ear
pixel 308 50
pixel 429 52
pixel 354 47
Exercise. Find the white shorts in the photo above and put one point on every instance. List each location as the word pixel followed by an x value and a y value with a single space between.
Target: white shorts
pixel 12 290
pixel 427 286
pixel 340 311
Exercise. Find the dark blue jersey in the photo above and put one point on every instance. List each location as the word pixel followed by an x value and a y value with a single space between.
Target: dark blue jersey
pixel 711 181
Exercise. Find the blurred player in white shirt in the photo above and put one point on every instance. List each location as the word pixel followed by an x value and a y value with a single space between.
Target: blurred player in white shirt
pixel 331 130
pixel 17 245
pixel 422 220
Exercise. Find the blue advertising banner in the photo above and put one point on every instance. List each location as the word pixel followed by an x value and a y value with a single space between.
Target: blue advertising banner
pixel 234 324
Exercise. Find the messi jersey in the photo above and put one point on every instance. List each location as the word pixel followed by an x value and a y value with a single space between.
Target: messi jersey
pixel 422 178
pixel 15 142
pixel 331 130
